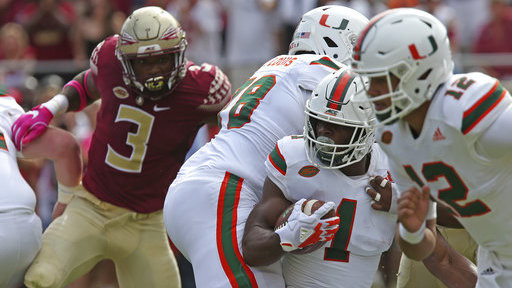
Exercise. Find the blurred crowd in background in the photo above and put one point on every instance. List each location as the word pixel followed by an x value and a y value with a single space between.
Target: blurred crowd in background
pixel 44 43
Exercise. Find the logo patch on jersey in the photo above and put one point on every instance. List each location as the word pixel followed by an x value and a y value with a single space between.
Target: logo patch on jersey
pixel 120 92
pixel 308 171
pixel 386 137
pixel 156 108
pixel 438 135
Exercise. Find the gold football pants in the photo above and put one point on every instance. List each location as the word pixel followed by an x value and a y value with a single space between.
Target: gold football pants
pixel 91 230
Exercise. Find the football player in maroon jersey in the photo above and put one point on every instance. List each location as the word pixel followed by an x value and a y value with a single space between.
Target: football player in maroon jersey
pixel 153 101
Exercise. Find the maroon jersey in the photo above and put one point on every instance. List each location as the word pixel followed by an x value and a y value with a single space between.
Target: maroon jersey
pixel 136 151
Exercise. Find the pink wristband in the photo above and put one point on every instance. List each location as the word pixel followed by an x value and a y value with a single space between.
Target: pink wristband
pixel 83 92
pixel 85 82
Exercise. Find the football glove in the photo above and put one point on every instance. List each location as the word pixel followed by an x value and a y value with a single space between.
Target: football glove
pixel 30 125
pixel 302 230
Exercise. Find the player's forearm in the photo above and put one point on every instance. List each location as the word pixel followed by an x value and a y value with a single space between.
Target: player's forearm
pixel 452 268
pixel 261 247
pixel 80 91
pixel 420 250
pixel 61 147
pixel 68 166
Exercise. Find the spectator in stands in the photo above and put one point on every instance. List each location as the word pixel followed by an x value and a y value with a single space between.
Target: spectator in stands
pixel 16 54
pixel 202 19
pixel 290 13
pixel 98 19
pixel 50 24
pixel 495 37
pixel 248 46
pixel 9 10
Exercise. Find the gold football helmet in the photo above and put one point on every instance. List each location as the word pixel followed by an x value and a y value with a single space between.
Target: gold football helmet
pixel 151 31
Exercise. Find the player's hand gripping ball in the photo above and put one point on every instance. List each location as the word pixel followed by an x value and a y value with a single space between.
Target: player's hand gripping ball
pixel 312 228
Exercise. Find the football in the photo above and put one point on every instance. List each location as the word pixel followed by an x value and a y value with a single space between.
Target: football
pixel 308 207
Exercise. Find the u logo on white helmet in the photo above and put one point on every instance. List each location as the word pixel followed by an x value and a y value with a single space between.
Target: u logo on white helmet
pixel 323 20
pixel 414 51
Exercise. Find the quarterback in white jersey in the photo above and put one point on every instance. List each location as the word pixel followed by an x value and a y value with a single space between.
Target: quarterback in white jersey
pixel 208 203
pixel 444 134
pixel 334 162
pixel 20 227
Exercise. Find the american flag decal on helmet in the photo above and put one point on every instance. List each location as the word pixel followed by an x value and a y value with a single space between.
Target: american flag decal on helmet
pixel 339 90
pixel 305 35
pixel 127 39
pixel 171 33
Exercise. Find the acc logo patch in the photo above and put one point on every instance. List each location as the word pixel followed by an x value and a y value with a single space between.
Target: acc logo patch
pixel 308 171
pixel 120 92
pixel 386 137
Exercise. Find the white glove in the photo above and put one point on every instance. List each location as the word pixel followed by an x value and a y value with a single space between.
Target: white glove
pixel 302 230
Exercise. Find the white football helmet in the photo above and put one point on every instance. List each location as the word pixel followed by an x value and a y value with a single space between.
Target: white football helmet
pixel 330 30
pixel 151 31
pixel 331 102
pixel 413 46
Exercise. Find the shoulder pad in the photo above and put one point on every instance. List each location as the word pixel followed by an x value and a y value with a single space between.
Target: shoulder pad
pixel 104 51
pixel 326 61
pixel 477 99
pixel 213 84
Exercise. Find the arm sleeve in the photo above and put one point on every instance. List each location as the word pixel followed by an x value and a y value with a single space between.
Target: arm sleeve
pixel 276 169
pixel 496 142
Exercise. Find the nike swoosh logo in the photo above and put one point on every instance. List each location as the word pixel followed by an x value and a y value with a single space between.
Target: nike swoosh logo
pixel 158 109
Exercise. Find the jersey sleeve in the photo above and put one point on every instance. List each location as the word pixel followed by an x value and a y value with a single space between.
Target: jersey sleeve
pixel 494 144
pixel 106 68
pixel 9 112
pixel 283 165
pixel 481 100
pixel 277 168
pixel 317 69
pixel 94 60
pixel 214 85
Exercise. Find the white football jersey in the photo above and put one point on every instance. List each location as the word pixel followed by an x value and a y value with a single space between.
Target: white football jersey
pixel 15 192
pixel 351 258
pixel 269 106
pixel 444 157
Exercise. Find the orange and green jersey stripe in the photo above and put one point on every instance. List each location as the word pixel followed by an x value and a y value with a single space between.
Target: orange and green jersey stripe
pixel 3 145
pixel 326 61
pixel 3 92
pixel 276 158
pixel 482 107
pixel 237 271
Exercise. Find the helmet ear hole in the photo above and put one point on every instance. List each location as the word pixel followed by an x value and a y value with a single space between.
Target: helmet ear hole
pixel 425 75
pixel 329 42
